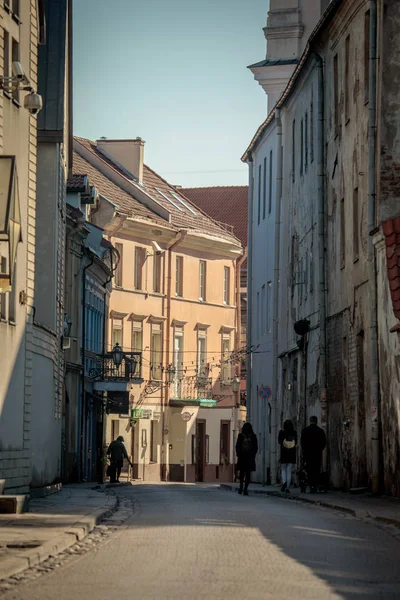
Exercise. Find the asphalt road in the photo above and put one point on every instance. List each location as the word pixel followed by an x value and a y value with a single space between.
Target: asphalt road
pixel 187 541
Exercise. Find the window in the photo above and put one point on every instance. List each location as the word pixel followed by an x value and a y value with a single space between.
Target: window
pixel 170 200
pixel 137 336
pixel 157 273
pixel 202 369
pixel 178 361
pixel 311 271
pixel 207 449
pixel 156 352
pixel 12 300
pixel 263 310
pixel 117 332
pixel 153 441
pixel 185 204
pixel 139 263
pixel 312 128
pixel 269 307
pixel 347 80
pixel 224 443
pixel 265 188
pixel 179 276
pixel 227 277
pixel 270 184
pixel 3 297
pixel 258 311
pixel 6 58
pixel 356 233
pixel 15 57
pixel 15 8
pixel 259 194
pixel 301 147
pixel 118 270
pixel 342 235
pixel 202 280
pixel 336 93
pixel 366 56
pixel 294 151
pixel 226 369
pixel 306 142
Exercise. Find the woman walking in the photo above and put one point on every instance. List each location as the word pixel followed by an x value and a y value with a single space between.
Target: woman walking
pixel 287 439
pixel 246 450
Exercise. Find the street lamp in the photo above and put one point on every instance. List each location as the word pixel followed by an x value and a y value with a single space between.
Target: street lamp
pixel 236 384
pixel 171 373
pixel 117 355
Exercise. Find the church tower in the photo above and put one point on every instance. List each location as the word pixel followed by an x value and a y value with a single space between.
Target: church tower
pixel 289 25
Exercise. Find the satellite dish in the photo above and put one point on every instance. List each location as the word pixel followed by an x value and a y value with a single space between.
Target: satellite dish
pixel 302 327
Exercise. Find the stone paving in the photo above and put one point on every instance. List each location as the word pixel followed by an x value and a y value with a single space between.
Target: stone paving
pixel 53 524
pixel 197 541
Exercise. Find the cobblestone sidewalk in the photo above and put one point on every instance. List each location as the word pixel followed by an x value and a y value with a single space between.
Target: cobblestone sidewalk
pixel 53 524
pixel 365 506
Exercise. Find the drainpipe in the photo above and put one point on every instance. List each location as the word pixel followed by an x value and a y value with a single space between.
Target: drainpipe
pixel 83 398
pixel 275 316
pixel 249 290
pixel 321 217
pixel 373 319
pixel 239 263
pixel 164 389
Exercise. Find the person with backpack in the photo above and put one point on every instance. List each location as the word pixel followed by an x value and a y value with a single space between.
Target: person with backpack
pixel 246 450
pixel 287 439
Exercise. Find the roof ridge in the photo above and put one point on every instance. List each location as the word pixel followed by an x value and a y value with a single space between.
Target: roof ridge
pixel 213 187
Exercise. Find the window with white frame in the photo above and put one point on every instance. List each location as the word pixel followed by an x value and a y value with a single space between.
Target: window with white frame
pixel 178 361
pixel 139 264
pixel 179 276
pixel 117 332
pixel 202 370
pixel 202 279
pixel 227 285
pixel 156 351
pixel 157 273
pixel 226 367
pixel 137 336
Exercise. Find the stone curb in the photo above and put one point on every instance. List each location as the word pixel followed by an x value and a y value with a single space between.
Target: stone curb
pixel 16 564
pixel 361 514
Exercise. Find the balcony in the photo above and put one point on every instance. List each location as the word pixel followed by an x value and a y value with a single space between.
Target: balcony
pixel 117 373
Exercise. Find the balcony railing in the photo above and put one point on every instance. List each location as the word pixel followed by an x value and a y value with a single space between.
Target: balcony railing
pixel 130 368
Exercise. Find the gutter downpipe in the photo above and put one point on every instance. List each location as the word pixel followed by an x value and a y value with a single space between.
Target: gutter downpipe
pixel 373 321
pixel 238 345
pixel 83 397
pixel 321 219
pixel 249 341
pixel 275 317
pixel 164 388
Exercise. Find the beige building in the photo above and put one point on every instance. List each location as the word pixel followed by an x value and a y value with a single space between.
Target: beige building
pixel 174 303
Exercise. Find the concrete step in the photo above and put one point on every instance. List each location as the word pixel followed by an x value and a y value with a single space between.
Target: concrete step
pixel 14 505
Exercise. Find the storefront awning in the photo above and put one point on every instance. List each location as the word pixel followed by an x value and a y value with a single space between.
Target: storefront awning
pixel 10 220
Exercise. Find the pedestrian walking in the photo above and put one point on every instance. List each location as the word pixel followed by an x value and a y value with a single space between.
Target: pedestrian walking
pixel 117 452
pixel 246 450
pixel 313 443
pixel 287 439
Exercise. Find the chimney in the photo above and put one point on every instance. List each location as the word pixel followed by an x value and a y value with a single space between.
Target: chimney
pixel 127 154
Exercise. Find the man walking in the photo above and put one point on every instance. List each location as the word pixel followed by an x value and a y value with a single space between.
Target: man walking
pixel 313 443
pixel 117 452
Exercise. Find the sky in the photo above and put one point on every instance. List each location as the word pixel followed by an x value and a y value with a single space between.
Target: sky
pixel 172 72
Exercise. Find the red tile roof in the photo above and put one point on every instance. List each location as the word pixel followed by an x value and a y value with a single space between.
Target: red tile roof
pixel 225 204
pixel 391 230
pixel 182 217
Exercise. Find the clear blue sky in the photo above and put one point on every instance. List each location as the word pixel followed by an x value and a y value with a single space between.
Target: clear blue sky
pixel 174 73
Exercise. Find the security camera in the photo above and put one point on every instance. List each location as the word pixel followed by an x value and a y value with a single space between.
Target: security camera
pixel 19 73
pixel 33 103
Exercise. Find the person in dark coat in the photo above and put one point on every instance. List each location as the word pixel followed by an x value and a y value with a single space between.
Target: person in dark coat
pixel 287 439
pixel 117 452
pixel 313 443
pixel 246 450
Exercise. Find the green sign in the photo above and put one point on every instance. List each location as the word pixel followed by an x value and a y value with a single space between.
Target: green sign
pixel 137 413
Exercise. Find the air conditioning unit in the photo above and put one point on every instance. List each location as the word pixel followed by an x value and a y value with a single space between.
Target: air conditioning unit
pixel 66 343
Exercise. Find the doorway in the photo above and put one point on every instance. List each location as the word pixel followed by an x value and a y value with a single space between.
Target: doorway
pixel 201 449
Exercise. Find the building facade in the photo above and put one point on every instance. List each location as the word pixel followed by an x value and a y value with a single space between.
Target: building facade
pixel 173 303
pixel 335 348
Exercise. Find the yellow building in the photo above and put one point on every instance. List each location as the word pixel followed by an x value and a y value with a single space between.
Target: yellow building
pixel 174 303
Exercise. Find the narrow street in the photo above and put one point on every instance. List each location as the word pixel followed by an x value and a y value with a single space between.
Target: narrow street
pixel 187 541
